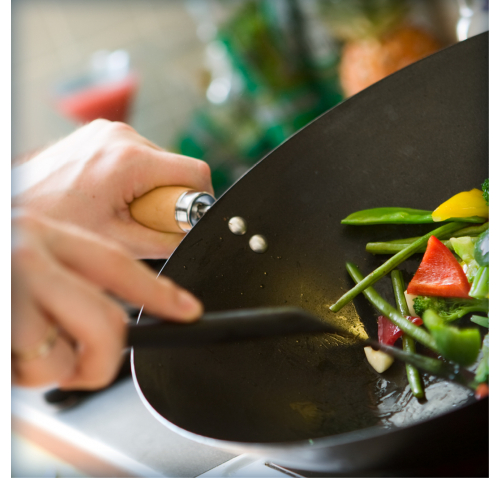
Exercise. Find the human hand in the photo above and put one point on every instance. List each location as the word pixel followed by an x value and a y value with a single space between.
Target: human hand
pixel 90 177
pixel 60 276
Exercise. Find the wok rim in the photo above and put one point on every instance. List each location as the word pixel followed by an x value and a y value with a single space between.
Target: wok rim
pixel 329 441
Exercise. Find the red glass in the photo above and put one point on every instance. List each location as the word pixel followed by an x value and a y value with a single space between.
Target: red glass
pixel 109 100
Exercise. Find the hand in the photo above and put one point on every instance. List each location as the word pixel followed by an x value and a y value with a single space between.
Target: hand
pixel 60 276
pixel 90 177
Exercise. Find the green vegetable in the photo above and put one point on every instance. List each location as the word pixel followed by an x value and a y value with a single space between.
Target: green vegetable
pixel 483 369
pixel 414 331
pixel 481 285
pixel 458 345
pixel 471 231
pixel 397 215
pixel 464 247
pixel 482 249
pixel 389 215
pixel 391 247
pixel 431 365
pixel 449 308
pixel 486 191
pixel 393 262
pixel 412 373
pixel 480 320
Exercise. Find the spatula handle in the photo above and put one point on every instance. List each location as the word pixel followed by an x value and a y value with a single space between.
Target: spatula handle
pixel 226 326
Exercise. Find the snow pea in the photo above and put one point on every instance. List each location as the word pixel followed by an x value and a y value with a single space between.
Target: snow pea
pixel 398 215
pixel 389 215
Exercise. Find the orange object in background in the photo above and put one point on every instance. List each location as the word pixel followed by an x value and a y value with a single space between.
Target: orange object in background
pixel 108 100
pixel 366 61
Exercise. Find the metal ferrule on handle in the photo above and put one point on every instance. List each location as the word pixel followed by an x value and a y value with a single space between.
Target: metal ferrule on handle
pixel 190 208
pixel 171 209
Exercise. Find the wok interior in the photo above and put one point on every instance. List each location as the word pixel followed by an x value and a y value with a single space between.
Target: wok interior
pixel 412 140
pixel 287 389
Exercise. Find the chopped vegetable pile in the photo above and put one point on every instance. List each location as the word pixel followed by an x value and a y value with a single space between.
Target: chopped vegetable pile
pixel 451 282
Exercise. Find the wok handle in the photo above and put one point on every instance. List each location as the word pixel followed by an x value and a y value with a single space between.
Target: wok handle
pixel 170 208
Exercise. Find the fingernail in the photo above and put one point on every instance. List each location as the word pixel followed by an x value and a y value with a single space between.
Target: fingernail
pixel 191 306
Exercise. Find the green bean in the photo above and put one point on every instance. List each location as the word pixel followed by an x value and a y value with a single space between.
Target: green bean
pixel 393 262
pixel 431 365
pixel 391 247
pixel 386 248
pixel 412 372
pixel 472 231
pixel 414 331
pixel 482 371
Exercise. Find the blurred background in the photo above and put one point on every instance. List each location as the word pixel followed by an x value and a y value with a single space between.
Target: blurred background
pixel 224 81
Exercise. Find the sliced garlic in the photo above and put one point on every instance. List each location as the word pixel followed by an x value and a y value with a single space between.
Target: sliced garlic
pixel 380 361
pixel 409 301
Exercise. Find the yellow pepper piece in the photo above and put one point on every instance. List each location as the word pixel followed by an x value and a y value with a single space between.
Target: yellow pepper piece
pixel 464 204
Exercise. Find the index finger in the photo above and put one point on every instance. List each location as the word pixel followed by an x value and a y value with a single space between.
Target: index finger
pixel 115 270
pixel 162 168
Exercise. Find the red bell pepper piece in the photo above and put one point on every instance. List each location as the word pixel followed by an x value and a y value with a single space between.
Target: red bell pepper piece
pixel 439 273
pixel 388 333
pixel 482 391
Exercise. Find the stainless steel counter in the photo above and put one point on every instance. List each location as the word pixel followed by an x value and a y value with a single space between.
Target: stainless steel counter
pixel 114 427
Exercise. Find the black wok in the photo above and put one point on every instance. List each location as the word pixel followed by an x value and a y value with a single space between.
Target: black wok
pixel 312 402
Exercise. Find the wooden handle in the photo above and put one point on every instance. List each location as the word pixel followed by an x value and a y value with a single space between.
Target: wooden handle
pixel 156 208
